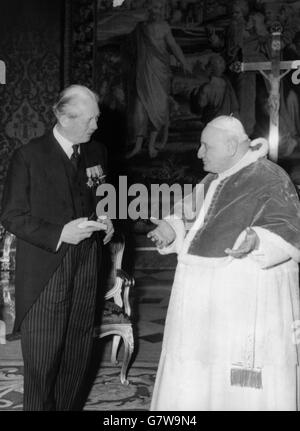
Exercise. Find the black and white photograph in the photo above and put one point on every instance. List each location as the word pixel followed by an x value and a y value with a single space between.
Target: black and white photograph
pixel 149 208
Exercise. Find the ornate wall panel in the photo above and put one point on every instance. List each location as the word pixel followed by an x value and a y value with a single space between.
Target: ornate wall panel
pixel 31 48
pixel 80 30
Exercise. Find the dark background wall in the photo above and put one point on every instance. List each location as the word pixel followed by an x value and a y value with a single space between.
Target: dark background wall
pixel 31 36
pixel 48 43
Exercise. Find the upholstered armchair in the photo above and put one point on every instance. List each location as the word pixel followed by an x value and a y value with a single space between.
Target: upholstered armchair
pixel 117 311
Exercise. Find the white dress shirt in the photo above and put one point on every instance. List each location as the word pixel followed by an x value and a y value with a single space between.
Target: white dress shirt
pixel 65 144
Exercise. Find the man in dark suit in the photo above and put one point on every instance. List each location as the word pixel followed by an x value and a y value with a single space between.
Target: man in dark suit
pixel 47 200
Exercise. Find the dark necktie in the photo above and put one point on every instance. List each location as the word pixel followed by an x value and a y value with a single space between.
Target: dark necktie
pixel 75 156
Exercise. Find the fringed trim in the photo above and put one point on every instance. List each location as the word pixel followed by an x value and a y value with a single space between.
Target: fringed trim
pixel 246 377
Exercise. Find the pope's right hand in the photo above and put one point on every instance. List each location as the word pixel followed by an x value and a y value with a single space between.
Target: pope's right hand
pixel 73 234
pixel 163 234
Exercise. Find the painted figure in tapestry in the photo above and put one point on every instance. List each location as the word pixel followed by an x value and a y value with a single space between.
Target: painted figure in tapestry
pixel 151 111
pixel 213 36
pixel 217 96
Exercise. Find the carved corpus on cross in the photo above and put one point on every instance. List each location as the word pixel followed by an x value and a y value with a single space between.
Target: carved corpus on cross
pixel 273 71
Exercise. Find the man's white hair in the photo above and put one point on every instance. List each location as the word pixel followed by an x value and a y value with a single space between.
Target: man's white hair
pixel 70 99
pixel 232 126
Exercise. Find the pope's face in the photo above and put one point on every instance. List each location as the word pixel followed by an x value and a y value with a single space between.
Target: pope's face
pixel 80 128
pixel 214 150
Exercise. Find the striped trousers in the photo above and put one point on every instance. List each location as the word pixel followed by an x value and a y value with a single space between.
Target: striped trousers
pixel 56 333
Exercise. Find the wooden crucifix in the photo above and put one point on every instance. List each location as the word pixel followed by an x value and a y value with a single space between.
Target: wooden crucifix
pixel 273 71
pixel 2 72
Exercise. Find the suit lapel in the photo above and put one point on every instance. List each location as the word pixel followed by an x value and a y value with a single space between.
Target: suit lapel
pixel 58 169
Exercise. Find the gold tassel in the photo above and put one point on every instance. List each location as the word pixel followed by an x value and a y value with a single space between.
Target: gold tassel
pixel 246 377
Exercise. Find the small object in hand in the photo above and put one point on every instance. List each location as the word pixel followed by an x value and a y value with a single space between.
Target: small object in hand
pixel 92 223
pixel 101 217
pixel 93 216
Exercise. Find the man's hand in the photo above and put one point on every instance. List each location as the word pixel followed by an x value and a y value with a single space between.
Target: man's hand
pixel 72 234
pixel 163 234
pixel 250 243
pixel 110 229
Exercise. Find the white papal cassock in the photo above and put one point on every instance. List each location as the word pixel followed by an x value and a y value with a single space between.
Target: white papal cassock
pixel 225 313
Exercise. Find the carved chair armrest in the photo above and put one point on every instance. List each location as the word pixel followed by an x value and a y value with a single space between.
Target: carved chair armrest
pixel 7 250
pixel 125 277
pixel 128 282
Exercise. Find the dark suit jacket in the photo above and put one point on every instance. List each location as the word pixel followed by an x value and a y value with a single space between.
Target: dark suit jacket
pixel 37 203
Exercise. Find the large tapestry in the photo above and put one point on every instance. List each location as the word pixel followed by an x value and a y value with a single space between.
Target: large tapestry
pixel 166 68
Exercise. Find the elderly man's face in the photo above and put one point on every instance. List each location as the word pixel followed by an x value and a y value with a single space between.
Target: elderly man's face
pixel 214 150
pixel 80 128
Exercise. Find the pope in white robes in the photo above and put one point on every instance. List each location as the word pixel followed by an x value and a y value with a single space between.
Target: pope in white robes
pixel 230 340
